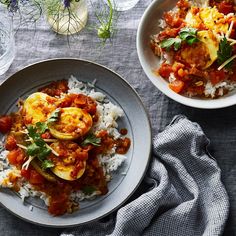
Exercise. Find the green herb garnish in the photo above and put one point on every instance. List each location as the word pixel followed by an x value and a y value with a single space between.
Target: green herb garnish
pixel 44 152
pixel 41 127
pixel 38 146
pixel 47 164
pixel 35 134
pixel 224 53
pixel 88 190
pixel 54 116
pixel 91 139
pixel 188 35
pixel 167 43
pixel 33 149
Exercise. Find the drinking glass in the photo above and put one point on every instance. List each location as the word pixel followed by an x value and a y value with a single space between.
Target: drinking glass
pixel 123 5
pixel 7 43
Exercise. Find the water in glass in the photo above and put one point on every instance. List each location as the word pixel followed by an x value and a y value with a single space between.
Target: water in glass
pixel 7 43
pixel 123 5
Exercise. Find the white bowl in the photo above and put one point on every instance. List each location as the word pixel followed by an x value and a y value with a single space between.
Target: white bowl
pixel 149 26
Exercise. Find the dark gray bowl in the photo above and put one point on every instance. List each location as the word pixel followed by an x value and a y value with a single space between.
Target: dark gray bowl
pixel 126 180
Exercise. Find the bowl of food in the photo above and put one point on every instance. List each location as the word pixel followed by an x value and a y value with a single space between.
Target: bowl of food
pixel 70 142
pixel 187 50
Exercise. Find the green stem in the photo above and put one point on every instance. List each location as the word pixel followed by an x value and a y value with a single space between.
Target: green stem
pixel 110 14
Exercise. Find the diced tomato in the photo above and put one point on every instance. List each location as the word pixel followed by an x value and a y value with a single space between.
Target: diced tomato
pixel 177 65
pixel 82 155
pixel 165 70
pixel 46 135
pixel 10 143
pixel 58 204
pixel 26 173
pixel 5 124
pixel 226 7
pixel 195 10
pixel 168 33
pixel 36 178
pixel 173 20
pixel 177 86
pixel 233 36
pixel 86 103
pixel 217 76
pixel 16 157
pixel 182 4
pixel 55 88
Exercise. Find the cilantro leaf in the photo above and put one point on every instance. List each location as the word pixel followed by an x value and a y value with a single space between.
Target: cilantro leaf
pixel 47 164
pixel 224 53
pixel 167 43
pixel 41 127
pixel 91 139
pixel 38 147
pixel 54 116
pixel 44 152
pixel 33 149
pixel 189 35
pixel 32 131
pixel 88 189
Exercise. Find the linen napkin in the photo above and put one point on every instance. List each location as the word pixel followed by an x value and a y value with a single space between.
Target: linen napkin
pixel 182 193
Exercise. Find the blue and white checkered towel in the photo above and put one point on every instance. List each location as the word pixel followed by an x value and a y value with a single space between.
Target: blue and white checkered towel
pixel 181 195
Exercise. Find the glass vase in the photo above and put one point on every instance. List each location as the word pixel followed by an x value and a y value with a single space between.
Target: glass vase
pixel 68 16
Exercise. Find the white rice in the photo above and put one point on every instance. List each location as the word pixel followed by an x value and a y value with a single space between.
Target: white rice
pixel 108 115
pixel 218 89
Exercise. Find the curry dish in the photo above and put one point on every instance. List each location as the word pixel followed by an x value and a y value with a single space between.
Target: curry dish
pixel 53 145
pixel 197 47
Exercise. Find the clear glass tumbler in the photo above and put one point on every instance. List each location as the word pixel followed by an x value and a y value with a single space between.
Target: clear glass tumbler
pixel 123 5
pixel 7 43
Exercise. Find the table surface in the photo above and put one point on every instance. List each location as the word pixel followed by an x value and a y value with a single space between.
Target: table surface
pixel 38 42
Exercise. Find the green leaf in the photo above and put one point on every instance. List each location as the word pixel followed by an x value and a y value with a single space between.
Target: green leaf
pixel 186 32
pixel 32 131
pixel 41 127
pixel 167 43
pixel 44 152
pixel 88 190
pixel 91 139
pixel 224 53
pixel 47 164
pixel 189 35
pixel 54 116
pixel 33 149
pixel 192 40
pixel 38 148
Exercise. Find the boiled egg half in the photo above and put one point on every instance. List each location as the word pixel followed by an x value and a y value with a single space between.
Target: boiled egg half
pixel 72 123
